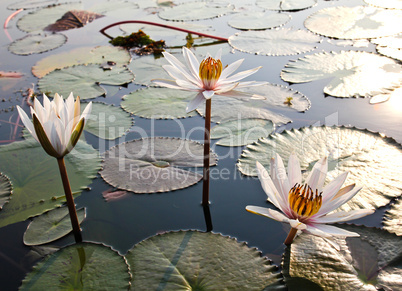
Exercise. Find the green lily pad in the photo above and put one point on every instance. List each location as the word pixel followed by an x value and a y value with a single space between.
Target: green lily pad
pixel 36 44
pixel 286 4
pixel 196 11
pixel 258 20
pixel 83 80
pixel 193 260
pixel 351 74
pixel 275 42
pixel 6 190
pixel 363 263
pixel 372 160
pixel 50 226
pixel 108 121
pixel 390 4
pixel 158 103
pixel 354 22
pixel 83 266
pixel 393 217
pixel 38 188
pixel 241 132
pixel 390 46
pixel 147 68
pixel 153 165
pixel 81 56
pixel 29 4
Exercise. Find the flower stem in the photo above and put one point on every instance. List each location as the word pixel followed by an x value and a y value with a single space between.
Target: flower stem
pixel 290 236
pixel 70 201
pixel 207 141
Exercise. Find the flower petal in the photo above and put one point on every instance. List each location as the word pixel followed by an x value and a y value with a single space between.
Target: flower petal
pixel 335 203
pixel 194 103
pixel 192 62
pixel 230 69
pixel 317 175
pixel 179 66
pixel 280 178
pixel 27 122
pixel 332 230
pixel 269 187
pixel 267 212
pixel 241 75
pixel 208 94
pixel 294 171
pixel 333 187
pixel 167 83
pixel 344 216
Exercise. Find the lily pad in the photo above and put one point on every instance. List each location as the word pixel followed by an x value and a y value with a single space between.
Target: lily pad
pixel 387 95
pixel 258 20
pixel 108 121
pixel 390 4
pixel 83 80
pixel 83 266
pixel 196 11
pixel 390 46
pixel 241 132
pixel 158 103
pixel 193 260
pixel 393 218
pixel 38 188
pixel 50 226
pixel 352 267
pixel 36 44
pixel 153 165
pixel 351 73
pixel 73 19
pixel 354 22
pixel 372 160
pixel 276 42
pixel 31 4
pixel 6 190
pixel 82 56
pixel 286 4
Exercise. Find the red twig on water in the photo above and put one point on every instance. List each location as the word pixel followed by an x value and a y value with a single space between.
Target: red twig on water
pixel 161 25
pixel 11 16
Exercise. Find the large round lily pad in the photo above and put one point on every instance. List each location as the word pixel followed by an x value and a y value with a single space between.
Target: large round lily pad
pixel 354 22
pixel 192 260
pixel 393 218
pixel 373 161
pixel 155 164
pixel 158 103
pixel 83 80
pixel 30 4
pixel 369 262
pixel 351 73
pixel 50 226
pixel 286 4
pixel 83 266
pixel 258 20
pixel 275 42
pixel 82 56
pixel 5 190
pixel 390 46
pixel 391 4
pixel 196 11
pixel 38 188
pixel 35 44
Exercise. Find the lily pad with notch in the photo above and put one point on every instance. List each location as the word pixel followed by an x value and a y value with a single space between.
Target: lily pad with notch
pixel 390 46
pixel 258 20
pixel 286 5
pixel 390 4
pixel 393 217
pixel 6 190
pixel 36 44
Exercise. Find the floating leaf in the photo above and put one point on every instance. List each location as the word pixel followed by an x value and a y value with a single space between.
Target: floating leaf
pixel 158 103
pixel 152 165
pixel 352 73
pixel 83 266
pixel 390 46
pixel 82 56
pixel 115 7
pixel 383 97
pixel 285 4
pixel 35 44
pixel 38 188
pixel 31 4
pixel 353 267
pixel 276 42
pixel 10 74
pixel 107 121
pixel 393 218
pixel 258 20
pixel 391 4
pixel 73 19
pixel 83 80
pixel 5 190
pixel 354 22
pixel 50 226
pixel 196 11
pixel 241 132
pixel 192 260
pixel 372 160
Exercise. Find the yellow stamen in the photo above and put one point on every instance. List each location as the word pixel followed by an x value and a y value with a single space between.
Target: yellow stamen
pixel 303 201
pixel 210 70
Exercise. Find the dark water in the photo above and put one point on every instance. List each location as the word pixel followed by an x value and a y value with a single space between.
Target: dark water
pixel 123 223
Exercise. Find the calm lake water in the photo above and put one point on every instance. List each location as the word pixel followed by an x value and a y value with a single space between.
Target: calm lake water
pixel 125 222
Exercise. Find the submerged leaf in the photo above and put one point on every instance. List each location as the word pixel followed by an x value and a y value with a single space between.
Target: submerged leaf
pixel 35 44
pixel 192 260
pixel 393 218
pixel 372 160
pixel 73 19
pixel 5 190
pixel 258 20
pixel 286 4
pixel 83 266
pixel 351 74
pixel 155 164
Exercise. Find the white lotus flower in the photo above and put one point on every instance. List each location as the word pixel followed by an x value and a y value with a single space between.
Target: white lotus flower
pixel 307 206
pixel 57 125
pixel 207 78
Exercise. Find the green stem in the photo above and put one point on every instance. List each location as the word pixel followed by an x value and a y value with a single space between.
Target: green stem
pixel 290 236
pixel 207 141
pixel 70 201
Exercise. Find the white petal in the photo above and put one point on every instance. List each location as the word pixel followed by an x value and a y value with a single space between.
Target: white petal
pixel 167 83
pixel 194 103
pixel 294 223
pixel 178 75
pixel 317 175
pixel 218 54
pixel 267 212
pixel 333 231
pixel 87 111
pixel 27 122
pixel 294 171
pixel 333 187
pixel 179 66
pixel 230 69
pixel 268 186
pixel 208 94
pixel 280 178
pixel 41 113
pixel 192 62
pixel 46 103
pixel 225 88
pixel 334 204
pixel 344 216
pixel 250 84
pixel 240 95
pixel 242 75
pixel 189 86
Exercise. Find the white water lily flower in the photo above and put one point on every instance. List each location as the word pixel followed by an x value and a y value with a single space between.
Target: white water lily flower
pixel 57 125
pixel 207 78
pixel 307 206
